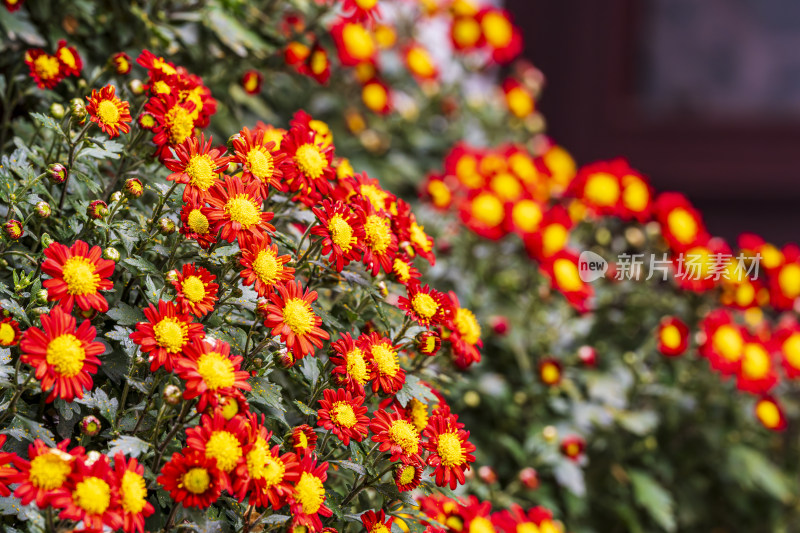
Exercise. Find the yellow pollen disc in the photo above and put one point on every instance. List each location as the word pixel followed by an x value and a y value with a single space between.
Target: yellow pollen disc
pixel 225 448
pixel 194 289
pixel 197 222
pixel 385 359
pixel 378 235
pixel 554 239
pixel 309 493
pixel 318 64
pixel 302 440
pixel 671 336
pixel 488 209
pixel 440 193
pixel 46 67
pixel 49 470
pixel 201 172
pixel 108 112
pixel 467 325
pixel 243 209
pixel 418 414
pixel 466 31
pixel 196 480
pixel 261 164
pixel 357 366
pixel 267 267
pixel 682 225
pixel 520 102
pixel 401 270
pixel 602 189
pixel 405 435
pixel 162 87
pixel 171 334
pixel 424 305
pixel 771 257
pixel 768 413
pixel 480 524
pixel 497 30
pixel 430 344
pixel 407 474
pixel 216 370
pixel 311 162
pixel 65 354
pixel 133 492
pixel 506 186
pixel 419 237
pixel 527 527
pixel 791 350
pixel 379 528
pixel 366 5
pixel 376 196
pixel 527 215
pixel 420 62
pixel 341 233
pixel 755 361
pixel 297 314
pixel 261 464
pixel 728 342
pixel 93 495
pixel 7 334
pixel 789 280
pixel 79 275
pixel 550 373
pixel 342 414
pixel 566 274
pixel 523 167
pixel 358 41
pixel 636 195
pixel 179 123
pixel 230 407
pixel 375 96
pixel 450 450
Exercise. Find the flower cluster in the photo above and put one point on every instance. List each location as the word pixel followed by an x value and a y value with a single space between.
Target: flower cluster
pixel 47 70
pixel 452 515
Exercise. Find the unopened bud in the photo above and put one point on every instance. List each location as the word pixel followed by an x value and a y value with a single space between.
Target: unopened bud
pixel 136 86
pixel 166 226
pixel 78 108
pixel 588 355
pixel 57 111
pixel 41 296
pixel 172 276
pixel 487 474
pixel 121 63
pixel 428 342
pixel 262 307
pixel 46 239
pixel 112 254
pixel 172 394
pixel 57 173
pixel 88 314
pixel 133 188
pixel 550 433
pixel 117 196
pixel 529 478
pixel 42 209
pixel 97 209
pixel 90 426
pixel 14 229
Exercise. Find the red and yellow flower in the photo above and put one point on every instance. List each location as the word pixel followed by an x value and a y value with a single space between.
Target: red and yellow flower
pixel 129 477
pixel 519 100
pixel 109 112
pixel 308 167
pixel 8 474
pixel 196 165
pixel 93 496
pixel 260 158
pixel 450 451
pixel 426 305
pixel 464 334
pixel 192 479
pixel 343 414
pixel 407 477
pixel 681 224
pixel 397 436
pixel 303 439
pixel 78 274
pixel 44 474
pixel 723 342
pixel 384 363
pixel 263 267
pixel 342 233
pixel 290 315
pixel 355 43
pixel 352 366
pixel 45 69
pixel 770 414
pixel 500 35
pixel 166 334
pixel 210 372
pixel 673 336
pixel 9 332
pixel 377 522
pixel 573 446
pixel 70 59
pixel 222 440
pixel 380 242
pixel 236 211
pixel 757 372
pixel 562 269
pixel 195 225
pixel 196 290
pixel 307 502
pixel 251 81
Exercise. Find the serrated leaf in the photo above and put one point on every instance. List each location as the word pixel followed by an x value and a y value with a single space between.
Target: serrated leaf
pixel 310 370
pixel 128 445
pixel 349 465
pixel 125 315
pixel 306 410
pixel 414 388
pixel 651 496
pixel 33 430
pixel 267 393
pixel 49 123
pixel 390 492
pixel 103 150
pixel 139 266
pixel 15 309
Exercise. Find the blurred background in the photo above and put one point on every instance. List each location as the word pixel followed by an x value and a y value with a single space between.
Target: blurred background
pixel 703 96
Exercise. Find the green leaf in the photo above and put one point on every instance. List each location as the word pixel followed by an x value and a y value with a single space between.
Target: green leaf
pixel 638 422
pixel 130 446
pixel 49 123
pixel 15 309
pixel 103 150
pixel 349 465
pixel 414 388
pixel 654 498
pixel 33 430
pixel 139 266
pixel 754 470
pixel 306 410
pixel 125 315
pixel 310 370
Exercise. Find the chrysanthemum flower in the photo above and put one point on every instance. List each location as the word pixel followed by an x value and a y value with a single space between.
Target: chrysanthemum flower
pixel 165 335
pixel 500 35
pixel 355 43
pixel 8 474
pixel 787 340
pixel 93 496
pixel 9 332
pixel 484 213
pixel 426 305
pixel 71 63
pixel 573 446
pixel 132 493
pixel 266 475
pixel 78 274
pixel 361 10
pixel 303 439
pixel 121 62
pixel 377 522
pixel 44 68
pixel 317 64
pixel 63 356
pixel 515 520
pixel 385 371
pixel 174 122
pixel 352 367
pixel 421 242
pixel 251 81
pixel 552 236
pixel 550 371
pixel 263 266
pixel 195 225
pixel 464 333
pixel 290 316
pixel 450 451
pixel 519 100
pixel 13 5
pixel 45 473
pixel 757 372
pixel 360 188
pixel 397 436
pixel 723 342
pixel 377 96
pixel 236 210
pixel 465 33
pixel 260 158
pixel 309 163
pixel 784 283
pixel 404 270
pixel 222 440
pixel 109 112
pixel 344 414
pixel 673 336
pixel 197 165
pixel 407 477
pixel 192 479
pixel 342 233
pixel 154 63
pixel 380 243
pixel 562 269
pixel 681 224
pixel 770 414
pixel 210 372
pixel 307 502
pixel 196 290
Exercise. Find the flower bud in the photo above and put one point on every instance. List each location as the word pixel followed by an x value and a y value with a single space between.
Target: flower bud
pixel 499 325
pixel 229 407
pixel 257 362
pixel 286 358
pixel 147 121
pixel 487 474
pixel 229 143
pixel 117 196
pixel 136 86
pixel 78 108
pixel 14 230
pixel 90 426
pixel 172 276
pixel 133 188
pixel 42 209
pixel 588 355
pixel 57 173
pixel 529 478
pixel 550 433
pixel 41 296
pixel 383 289
pixel 111 253
pixel 57 111
pixel 88 314
pixel 97 209
pixel 172 394
pixel 166 226
pixel 46 240
pixel 428 342
pixel 262 307
pixel 121 62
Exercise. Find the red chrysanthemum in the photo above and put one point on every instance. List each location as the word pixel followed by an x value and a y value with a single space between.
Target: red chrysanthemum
pixel 222 440
pixel 93 496
pixel 376 522
pixel 195 225
pixel 573 446
pixel 380 242
pixel 9 332
pixel 673 336
pixel 352 366
pixel 192 479
pixel 45 473
pixel 723 342
pixel 129 477
pixel 450 451
pixel 303 439
pixel 174 122
pixel 165 335
pixel 70 59
pixel 63 356
pixel 210 372
pixel 342 233
pixel 8 474
pixel 197 165
pixel 290 315
pixel 787 340
pixel 251 81
pixel 770 414
pixel 464 334
pixel 384 364
pixel 397 436
pixel 562 269
pixel 44 69
pixel 404 270
pixel 109 112
pixel 550 371
pixel 260 159
pixel 757 373
pixel 78 274
pixel 196 290
pixel 407 477
pixel 344 414
pixel 236 210
pixel 263 266
pixel 307 502
pixel 426 305
pixel 308 167
pixel 681 224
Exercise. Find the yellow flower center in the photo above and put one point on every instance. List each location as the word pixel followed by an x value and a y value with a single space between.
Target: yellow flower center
pixel 376 196
pixel 196 480
pixel 527 215
pixel 488 209
pixel 65 354
pixel 341 233
pixel 311 162
pixel 756 362
pixel 385 359
pixel 378 236
pixel 791 349
pixel 230 407
pixel 671 336
pixel 93 495
pixel 261 163
pixel 216 370
pixel 7 334
pixel 309 493
pixel 132 492
pixel 466 31
pixel 261 464
pixel 267 267
pixel 450 450
pixel 418 414
pixel 506 186
pixel 243 209
pixel 566 274
pixel 424 305
pixel 520 102
pixel 108 112
pixel 162 87
pixel 171 333
pixel 407 474
pixel 225 448
pixel 46 66
pixel 342 414
pixel 419 237
pixel 357 366
pixel 79 275
pixel 728 342
pixel 480 524
pixel 180 124
pixel 527 527
pixel 401 269
pixel 789 280
pixel 359 41
pixel 554 239
pixel 297 314
pixel 366 4
pixel 467 325
pixel 602 189
pixel 419 61
pixel 201 172
pixel 194 289
pixel 768 413
pixel 682 225
pixel 636 194
pixel 197 222
pixel 375 96
pixel 440 193
pixel 49 470
pixel 550 373
pixel 301 440
pixel 497 30
pixel 405 435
